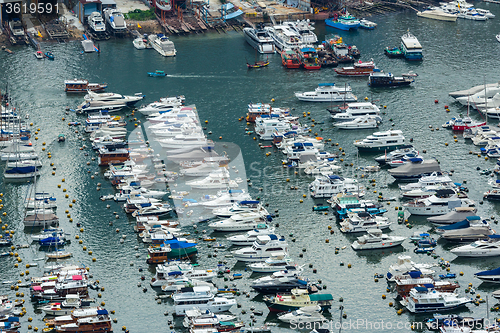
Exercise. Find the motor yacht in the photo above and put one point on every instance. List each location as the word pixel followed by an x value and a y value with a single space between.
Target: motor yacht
pixel 247 206
pixel 404 265
pixel 306 314
pixel 115 20
pixel 480 248
pixel 415 169
pixel 173 270
pixel 362 222
pixel 457 214
pixel 423 299
pixel 239 222
pixel 260 39
pixel 112 97
pixel 326 187
pixel 375 239
pixel 96 23
pixel 162 44
pixel 262 249
pixel 285 38
pixel 469 234
pixel 328 92
pixel 190 140
pixel 380 141
pixel 436 13
pixel 275 263
pixel 66 307
pixel 363 122
pixel 225 198
pixel 215 180
pixel 250 237
pixel 159 107
pixel 201 298
pixel 305 29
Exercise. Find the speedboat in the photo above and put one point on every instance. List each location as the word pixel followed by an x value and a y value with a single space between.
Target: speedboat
pixel 39 54
pixel 262 249
pixel 422 299
pixel 380 141
pixel 359 123
pixel 375 239
pixel 480 248
pixel 239 222
pixel 140 43
pixel 328 92
pixel 157 209
pixel 306 314
pixel 115 19
pixel 436 13
pixel 396 154
pixel 260 39
pixel 362 222
pixel 492 276
pixel 356 110
pixel 365 24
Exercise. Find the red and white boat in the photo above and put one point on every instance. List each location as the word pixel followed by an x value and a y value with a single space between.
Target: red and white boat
pixel 358 69
pixel 461 124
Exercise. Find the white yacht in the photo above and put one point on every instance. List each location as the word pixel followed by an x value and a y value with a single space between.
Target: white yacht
pixel 328 92
pixel 285 38
pixel 202 299
pixel 176 285
pixel 356 110
pixel 183 140
pixel 362 222
pixel 239 222
pixel 435 179
pixel 404 265
pixel 422 299
pixel 251 236
pixel 260 39
pixel 480 96
pixel 162 45
pixel 265 127
pixel 203 169
pixel 225 198
pixel 161 106
pixel 115 19
pixel 275 263
pixel 263 248
pixel 132 191
pixel 140 43
pixel 215 180
pixel 173 270
pixel 66 307
pixel 326 187
pixel 113 97
pixel 485 12
pixel 471 14
pixel 375 239
pixel 435 205
pixel 396 155
pixel 362 122
pixel 436 13
pixel 480 248
pixel 247 206
pixel 380 141
pixel 305 314
pixel 305 29
pixel 96 23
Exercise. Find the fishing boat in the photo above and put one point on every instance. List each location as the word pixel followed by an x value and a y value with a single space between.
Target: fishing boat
pixel 49 55
pixel 410 47
pixel 157 73
pixel 393 52
pixel 423 299
pixel 297 299
pixel 308 58
pixel 380 79
pixel 258 64
pixel 343 22
pixel 328 92
pixel 375 239
pixel 80 86
pixel 358 69
pixel 290 59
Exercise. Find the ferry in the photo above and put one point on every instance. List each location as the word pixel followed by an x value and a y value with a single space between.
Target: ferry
pixel 410 47
pixel 82 86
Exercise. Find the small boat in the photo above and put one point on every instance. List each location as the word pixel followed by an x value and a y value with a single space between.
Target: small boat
pixel 393 52
pixel 39 54
pixel 498 37
pixel 358 69
pixel 258 64
pixel 447 276
pixel 58 255
pixel 49 55
pixel 157 73
pixel 306 314
pixel 61 138
pixel 492 276
pixel 365 24
pixel 423 249
pixel 320 208
pixel 375 239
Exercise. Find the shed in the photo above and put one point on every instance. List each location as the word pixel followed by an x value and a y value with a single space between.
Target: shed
pixel 84 8
pixel 108 4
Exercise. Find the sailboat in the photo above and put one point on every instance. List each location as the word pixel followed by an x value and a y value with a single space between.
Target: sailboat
pixel 39 211
pixel 461 124
pixel 18 170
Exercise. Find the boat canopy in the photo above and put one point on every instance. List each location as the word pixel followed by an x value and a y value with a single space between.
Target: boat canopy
pixel 421 289
pixel 174 273
pixel 335 177
pixel 102 312
pixel 26 169
pixel 235 191
pixel 320 297
pixel 446 191
pixel 414 274
pixel 457 225
pixel 273 237
pixel 307 49
pixel 416 160
pixel 326 84
pixel 13 319
pixel 495 271
pixel 473 218
pixel 249 202
pixel 76 277
pixel 494 236
pixel 302 282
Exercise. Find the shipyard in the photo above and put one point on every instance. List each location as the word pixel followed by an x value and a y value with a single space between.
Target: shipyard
pixel 249 166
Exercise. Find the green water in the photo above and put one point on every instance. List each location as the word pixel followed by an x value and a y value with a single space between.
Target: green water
pixel 210 70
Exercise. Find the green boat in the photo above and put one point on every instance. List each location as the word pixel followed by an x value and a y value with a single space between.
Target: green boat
pixel 393 52
pixel 320 208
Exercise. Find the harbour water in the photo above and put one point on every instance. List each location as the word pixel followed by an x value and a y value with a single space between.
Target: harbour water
pixel 210 71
